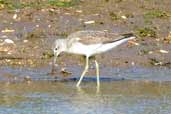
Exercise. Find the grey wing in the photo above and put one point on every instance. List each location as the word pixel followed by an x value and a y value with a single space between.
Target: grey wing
pixel 92 37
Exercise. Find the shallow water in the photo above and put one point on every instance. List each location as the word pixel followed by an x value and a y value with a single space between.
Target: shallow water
pixel 139 93
pixel 119 97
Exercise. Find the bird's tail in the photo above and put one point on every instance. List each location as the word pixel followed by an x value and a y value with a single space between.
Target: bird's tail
pixel 128 36
pixel 111 44
pixel 122 38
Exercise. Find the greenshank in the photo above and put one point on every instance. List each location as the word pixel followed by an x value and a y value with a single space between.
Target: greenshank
pixel 89 43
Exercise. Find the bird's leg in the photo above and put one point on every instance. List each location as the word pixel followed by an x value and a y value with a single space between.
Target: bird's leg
pixel 97 74
pixel 85 70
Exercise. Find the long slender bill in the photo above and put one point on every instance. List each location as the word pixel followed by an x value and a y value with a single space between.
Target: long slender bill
pixel 53 64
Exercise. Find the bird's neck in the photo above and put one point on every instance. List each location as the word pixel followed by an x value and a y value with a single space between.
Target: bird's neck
pixel 65 47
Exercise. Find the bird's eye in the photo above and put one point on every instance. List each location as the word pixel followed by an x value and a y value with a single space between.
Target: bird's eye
pixel 56 49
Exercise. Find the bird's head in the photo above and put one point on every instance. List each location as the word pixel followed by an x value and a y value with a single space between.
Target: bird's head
pixel 58 47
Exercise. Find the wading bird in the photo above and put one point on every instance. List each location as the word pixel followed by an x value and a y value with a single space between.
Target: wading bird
pixel 89 43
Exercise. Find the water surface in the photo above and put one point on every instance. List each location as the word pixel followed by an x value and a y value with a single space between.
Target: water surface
pixel 135 93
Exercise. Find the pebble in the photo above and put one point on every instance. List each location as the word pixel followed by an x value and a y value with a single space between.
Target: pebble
pixel 65 72
pixel 37 26
pixel 89 22
pixel 133 42
pixel 133 63
pixel 163 51
pixel 9 53
pixel 8 41
pixel 14 16
pixel 67 13
pixel 123 17
pixel 49 26
pixel 25 41
pixel 27 79
pixel 8 60
pixel 79 11
pixel 150 52
pixel 2 6
pixel 2 49
pixel 7 30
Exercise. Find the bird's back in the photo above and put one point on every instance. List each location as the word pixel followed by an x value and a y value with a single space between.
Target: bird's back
pixel 94 37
